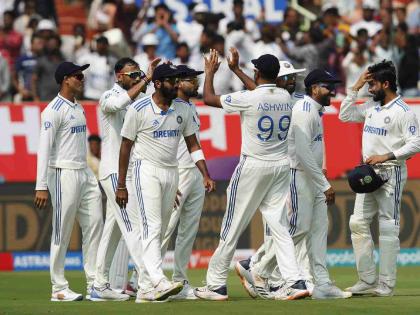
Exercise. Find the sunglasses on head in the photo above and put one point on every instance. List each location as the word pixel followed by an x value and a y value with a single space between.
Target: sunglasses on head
pixel 134 74
pixel 78 76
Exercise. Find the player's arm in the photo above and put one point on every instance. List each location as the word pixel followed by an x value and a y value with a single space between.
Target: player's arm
pixel 302 130
pixel 410 133
pixel 50 122
pixel 348 110
pixel 211 65
pixel 198 157
pixel 233 63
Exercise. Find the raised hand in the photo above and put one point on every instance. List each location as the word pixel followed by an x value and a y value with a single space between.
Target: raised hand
pixel 211 63
pixel 365 77
pixel 233 61
pixel 152 67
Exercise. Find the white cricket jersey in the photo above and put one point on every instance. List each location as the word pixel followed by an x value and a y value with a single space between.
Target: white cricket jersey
pixel 183 156
pixel 296 97
pixel 157 133
pixel 265 118
pixel 62 141
pixel 113 104
pixel 306 134
pixel 389 128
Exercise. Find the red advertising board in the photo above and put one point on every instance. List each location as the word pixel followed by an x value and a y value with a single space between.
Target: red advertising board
pixel 220 138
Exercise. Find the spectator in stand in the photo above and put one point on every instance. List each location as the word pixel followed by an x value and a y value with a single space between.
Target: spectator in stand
pixel 250 26
pixel 10 40
pixel 408 66
pixel 166 31
pixel 385 17
pixel 29 31
pixel 42 88
pixel 381 47
pixel 76 44
pixel 267 44
pixel 46 28
pixel 189 32
pixel 22 21
pixel 290 30
pixel 24 69
pixel 206 40
pixel 94 153
pixel 99 77
pixel 369 7
pixel 4 80
pixel 125 15
pixel 413 17
pixel 183 56
pixel 149 45
pixel 241 40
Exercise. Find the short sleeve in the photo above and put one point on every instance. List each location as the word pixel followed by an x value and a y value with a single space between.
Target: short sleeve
pixel 235 102
pixel 131 124
pixel 191 126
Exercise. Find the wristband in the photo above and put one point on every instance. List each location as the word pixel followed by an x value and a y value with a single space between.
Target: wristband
pixel 121 188
pixel 197 155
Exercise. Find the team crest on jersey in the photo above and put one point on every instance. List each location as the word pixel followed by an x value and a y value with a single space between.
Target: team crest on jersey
pixel 412 129
pixel 387 120
pixel 47 125
pixel 179 119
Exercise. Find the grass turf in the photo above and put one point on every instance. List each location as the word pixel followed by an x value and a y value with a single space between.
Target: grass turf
pixel 29 292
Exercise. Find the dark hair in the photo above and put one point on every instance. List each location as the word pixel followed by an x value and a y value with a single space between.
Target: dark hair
pixel 384 71
pixel 162 6
pixel 308 90
pixel 56 37
pixel 316 35
pixel 362 32
pixel 120 64
pixel 11 13
pixel 182 44
pixel 218 39
pixel 94 138
pixel 238 2
pixel 35 36
pixel 102 40
pixel 403 27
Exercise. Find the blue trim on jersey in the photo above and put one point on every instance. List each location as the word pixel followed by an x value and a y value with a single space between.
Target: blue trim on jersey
pixel 306 106
pixel 137 183
pixel 66 101
pixel 182 101
pixel 142 103
pixel 294 199
pixel 57 104
pixel 232 200
pixel 124 214
pixel 57 206
pixel 401 104
pixel 397 191
pixel 298 95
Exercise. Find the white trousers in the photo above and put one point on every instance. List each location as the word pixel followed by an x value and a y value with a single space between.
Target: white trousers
pixel 188 215
pixel 155 194
pixel 75 194
pixel 119 221
pixel 118 272
pixel 255 184
pixel 386 202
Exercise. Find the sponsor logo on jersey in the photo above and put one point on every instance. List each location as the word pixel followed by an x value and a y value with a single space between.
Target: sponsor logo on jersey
pixel 179 119
pixel 155 123
pixel 375 130
pixel 166 133
pixel 78 129
pixel 47 125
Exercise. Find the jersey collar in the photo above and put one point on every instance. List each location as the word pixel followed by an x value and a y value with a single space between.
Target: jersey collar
pixel 71 104
pixel 266 85
pixel 391 102
pixel 318 106
pixel 156 109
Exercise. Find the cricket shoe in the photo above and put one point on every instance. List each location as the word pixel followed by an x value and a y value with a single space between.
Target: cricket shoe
pixel 187 293
pixel 130 290
pixel 166 288
pixel 107 294
pixel 205 293
pixel 148 297
pixel 294 292
pixel 383 290
pixel 329 291
pixel 261 286
pixel 66 295
pixel 361 288
pixel 310 287
pixel 243 271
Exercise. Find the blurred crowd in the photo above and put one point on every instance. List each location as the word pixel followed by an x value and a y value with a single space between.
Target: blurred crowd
pixel 345 39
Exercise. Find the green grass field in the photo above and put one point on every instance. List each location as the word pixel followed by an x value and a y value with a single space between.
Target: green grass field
pixel 29 293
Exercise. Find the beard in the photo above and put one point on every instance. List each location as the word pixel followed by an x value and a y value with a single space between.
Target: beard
pixel 169 94
pixel 379 96
pixel 191 93
pixel 325 100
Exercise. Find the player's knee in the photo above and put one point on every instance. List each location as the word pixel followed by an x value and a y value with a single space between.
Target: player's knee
pixel 358 225
pixel 388 229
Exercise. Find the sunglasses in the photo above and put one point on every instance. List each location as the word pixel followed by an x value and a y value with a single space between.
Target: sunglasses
pixel 189 79
pixel 171 80
pixel 134 74
pixel 78 76
pixel 329 87
pixel 288 77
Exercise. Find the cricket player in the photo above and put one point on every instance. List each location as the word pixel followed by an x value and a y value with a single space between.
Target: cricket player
pixel 192 192
pixel 131 82
pixel 62 170
pixel 390 137
pixel 155 124
pixel 260 180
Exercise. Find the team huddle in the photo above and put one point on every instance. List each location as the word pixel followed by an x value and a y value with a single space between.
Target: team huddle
pixel 154 175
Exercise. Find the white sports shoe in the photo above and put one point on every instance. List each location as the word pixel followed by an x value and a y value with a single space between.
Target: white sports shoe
pixel 329 291
pixel 261 286
pixel 243 272
pixel 66 295
pixel 213 295
pixel 166 288
pixel 309 286
pixel 187 293
pixel 361 288
pixel 107 294
pixel 383 290
pixel 294 292
pixel 148 297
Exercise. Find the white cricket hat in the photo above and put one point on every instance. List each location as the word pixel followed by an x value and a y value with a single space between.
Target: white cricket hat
pixel 200 8
pixel 150 40
pixel 46 25
pixel 370 4
pixel 287 68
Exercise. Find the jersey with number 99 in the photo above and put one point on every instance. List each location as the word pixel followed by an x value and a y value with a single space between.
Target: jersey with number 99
pixel 265 118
